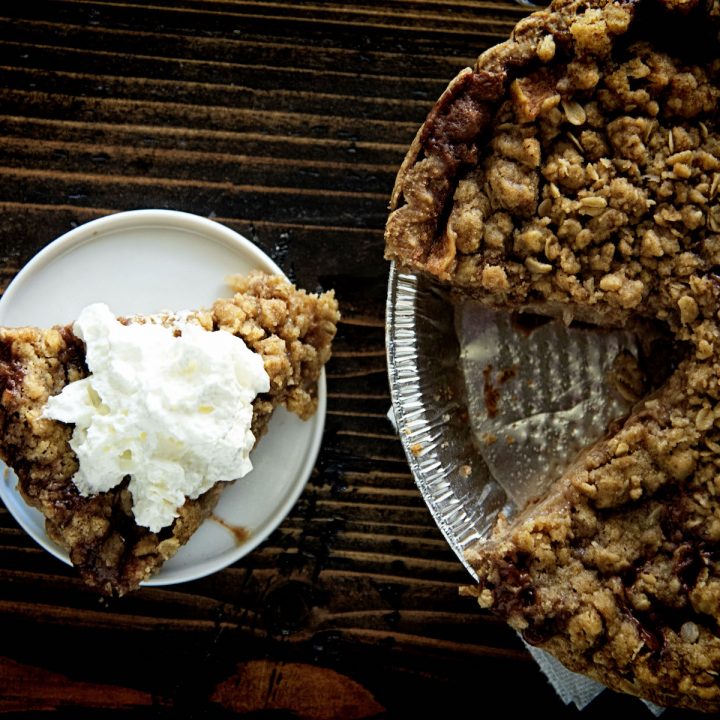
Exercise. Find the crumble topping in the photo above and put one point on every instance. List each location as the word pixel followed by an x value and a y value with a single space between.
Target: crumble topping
pixel 580 202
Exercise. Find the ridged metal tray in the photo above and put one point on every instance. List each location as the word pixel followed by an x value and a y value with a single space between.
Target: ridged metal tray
pixel 490 406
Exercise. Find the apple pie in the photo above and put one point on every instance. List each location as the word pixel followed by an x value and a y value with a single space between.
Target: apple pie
pixel 289 329
pixel 574 172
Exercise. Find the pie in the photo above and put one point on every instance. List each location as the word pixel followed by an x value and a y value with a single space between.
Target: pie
pixel 290 329
pixel 574 172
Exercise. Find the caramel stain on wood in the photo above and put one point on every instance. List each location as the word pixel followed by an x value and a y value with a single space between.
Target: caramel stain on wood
pixel 28 688
pixel 307 691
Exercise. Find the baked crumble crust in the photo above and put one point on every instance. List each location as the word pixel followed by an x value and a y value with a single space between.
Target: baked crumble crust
pixel 291 329
pixel 575 171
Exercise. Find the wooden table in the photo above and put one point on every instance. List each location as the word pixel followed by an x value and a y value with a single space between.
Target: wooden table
pixel 287 122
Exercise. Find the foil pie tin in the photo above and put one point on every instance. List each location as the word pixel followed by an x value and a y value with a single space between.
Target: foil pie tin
pixel 490 407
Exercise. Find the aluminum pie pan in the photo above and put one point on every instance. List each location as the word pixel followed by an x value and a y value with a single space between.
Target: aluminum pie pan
pixel 430 412
pixel 554 389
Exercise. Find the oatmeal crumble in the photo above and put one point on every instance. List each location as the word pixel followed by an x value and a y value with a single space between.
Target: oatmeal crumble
pixel 291 329
pixel 575 172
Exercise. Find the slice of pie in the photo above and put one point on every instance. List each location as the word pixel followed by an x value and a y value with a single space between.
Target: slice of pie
pixel 291 330
pixel 574 172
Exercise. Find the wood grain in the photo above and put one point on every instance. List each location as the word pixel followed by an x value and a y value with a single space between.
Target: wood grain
pixel 286 121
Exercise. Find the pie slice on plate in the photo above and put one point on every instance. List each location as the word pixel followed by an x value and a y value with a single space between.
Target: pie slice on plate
pixel 288 332
pixel 574 172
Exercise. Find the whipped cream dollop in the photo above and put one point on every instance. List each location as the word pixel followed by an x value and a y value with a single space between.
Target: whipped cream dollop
pixel 171 407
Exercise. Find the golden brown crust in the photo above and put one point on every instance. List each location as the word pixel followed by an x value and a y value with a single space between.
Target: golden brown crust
pixel 291 329
pixel 589 190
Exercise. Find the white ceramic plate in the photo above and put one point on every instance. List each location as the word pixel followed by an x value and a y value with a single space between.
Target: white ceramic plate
pixel 146 261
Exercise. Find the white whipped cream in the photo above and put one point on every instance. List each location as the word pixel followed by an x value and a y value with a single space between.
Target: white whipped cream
pixel 172 412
